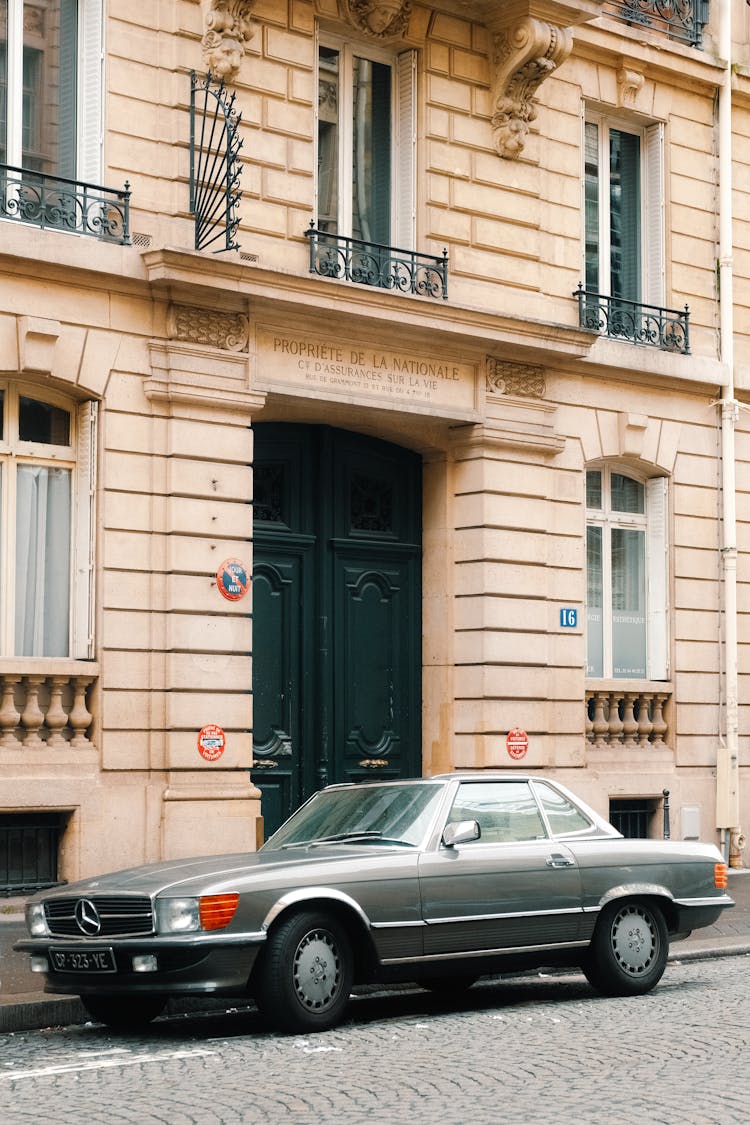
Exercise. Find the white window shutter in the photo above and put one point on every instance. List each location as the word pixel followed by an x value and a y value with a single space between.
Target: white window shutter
pixel 653 219
pixel 656 571
pixel 90 91
pixel 405 150
pixel 85 531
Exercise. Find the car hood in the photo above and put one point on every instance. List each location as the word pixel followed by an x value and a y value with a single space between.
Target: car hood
pixel 199 874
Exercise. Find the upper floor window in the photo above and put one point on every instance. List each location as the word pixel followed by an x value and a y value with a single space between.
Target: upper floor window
pixel 46 494
pixel 626 572
pixel 50 86
pixel 624 236
pixel 366 139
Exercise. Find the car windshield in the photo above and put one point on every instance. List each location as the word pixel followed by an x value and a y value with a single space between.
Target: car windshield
pixel 394 813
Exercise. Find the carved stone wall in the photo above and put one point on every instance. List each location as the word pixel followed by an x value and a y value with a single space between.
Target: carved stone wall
pixel 227 28
pixel 521 379
pixel 226 330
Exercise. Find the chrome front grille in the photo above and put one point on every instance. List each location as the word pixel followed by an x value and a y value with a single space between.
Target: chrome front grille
pixel 121 915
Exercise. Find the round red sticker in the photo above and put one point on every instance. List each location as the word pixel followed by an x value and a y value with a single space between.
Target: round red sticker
pixel 517 743
pixel 232 580
pixel 211 742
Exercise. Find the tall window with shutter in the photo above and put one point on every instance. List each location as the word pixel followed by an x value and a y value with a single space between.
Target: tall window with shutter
pixel 50 86
pixel 366 141
pixel 623 207
pixel 626 572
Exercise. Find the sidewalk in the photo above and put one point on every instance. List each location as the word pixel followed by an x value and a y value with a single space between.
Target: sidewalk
pixel 24 1007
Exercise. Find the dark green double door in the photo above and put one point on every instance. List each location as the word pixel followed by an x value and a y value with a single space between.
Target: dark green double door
pixel 336 612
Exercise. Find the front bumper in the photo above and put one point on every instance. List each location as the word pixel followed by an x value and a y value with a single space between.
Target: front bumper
pixel 190 964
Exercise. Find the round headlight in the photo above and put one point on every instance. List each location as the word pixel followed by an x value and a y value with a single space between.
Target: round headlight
pixel 177 915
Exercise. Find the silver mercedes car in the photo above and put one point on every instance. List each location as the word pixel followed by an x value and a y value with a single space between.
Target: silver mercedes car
pixel 438 881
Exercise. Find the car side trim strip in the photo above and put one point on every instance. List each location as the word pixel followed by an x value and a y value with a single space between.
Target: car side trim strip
pixel 459 918
pixel 501 951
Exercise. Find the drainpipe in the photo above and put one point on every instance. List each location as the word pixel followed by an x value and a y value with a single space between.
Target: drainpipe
pixel 727 761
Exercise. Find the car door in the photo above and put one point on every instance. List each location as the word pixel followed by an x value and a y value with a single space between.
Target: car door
pixel 512 888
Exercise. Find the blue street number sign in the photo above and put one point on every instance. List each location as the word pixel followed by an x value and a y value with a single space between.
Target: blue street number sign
pixel 568 618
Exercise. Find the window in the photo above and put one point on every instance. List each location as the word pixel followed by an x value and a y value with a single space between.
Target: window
pixel 626 597
pixel 366 138
pixel 506 811
pixel 623 207
pixel 46 496
pixel 50 86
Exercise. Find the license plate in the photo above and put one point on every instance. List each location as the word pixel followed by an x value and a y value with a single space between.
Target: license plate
pixel 83 961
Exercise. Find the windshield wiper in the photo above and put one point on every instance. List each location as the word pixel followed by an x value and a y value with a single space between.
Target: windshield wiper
pixel 346 838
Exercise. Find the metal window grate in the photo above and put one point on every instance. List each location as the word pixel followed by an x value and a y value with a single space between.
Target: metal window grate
pixel 57 203
pixel 632 817
pixel 650 325
pixel 28 851
pixel 385 267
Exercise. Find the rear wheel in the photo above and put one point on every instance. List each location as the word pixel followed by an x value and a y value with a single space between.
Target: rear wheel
pixel 628 952
pixel 124 1011
pixel 304 977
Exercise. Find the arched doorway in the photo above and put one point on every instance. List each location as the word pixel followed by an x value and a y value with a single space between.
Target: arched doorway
pixel 336 612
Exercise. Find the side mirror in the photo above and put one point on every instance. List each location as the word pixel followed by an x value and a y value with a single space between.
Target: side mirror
pixel 461 832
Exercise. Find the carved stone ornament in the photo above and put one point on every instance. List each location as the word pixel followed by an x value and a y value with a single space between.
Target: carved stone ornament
pixel 629 85
pixel 227 28
pixel 227 331
pixel 523 380
pixel 525 54
pixel 379 19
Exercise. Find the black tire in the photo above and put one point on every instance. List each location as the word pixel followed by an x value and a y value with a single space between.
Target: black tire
pixel 305 974
pixel 448 986
pixel 628 952
pixel 124 1012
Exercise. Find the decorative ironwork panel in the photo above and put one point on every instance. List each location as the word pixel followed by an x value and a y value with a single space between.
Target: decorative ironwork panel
pixel 371 505
pixel 268 493
pixel 682 20
pixel 215 167
pixel 619 319
pixel 385 267
pixel 61 204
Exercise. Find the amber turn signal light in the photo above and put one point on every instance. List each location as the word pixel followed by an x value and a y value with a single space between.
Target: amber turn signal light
pixel 720 876
pixel 217 911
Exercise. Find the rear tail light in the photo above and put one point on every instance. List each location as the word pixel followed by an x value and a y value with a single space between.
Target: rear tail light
pixel 217 911
pixel 720 876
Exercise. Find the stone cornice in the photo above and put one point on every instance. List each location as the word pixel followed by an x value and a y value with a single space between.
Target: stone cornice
pixel 187 277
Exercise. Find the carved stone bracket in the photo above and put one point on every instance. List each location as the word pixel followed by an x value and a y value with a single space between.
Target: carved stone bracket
pixel 531 38
pixel 228 331
pixel 520 379
pixel 525 55
pixel 227 28
pixel 378 19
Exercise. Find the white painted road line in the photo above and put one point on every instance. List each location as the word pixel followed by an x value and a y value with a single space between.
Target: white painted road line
pixel 101 1064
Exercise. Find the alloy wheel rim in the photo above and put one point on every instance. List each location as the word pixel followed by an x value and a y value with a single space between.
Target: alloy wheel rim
pixel 635 942
pixel 317 971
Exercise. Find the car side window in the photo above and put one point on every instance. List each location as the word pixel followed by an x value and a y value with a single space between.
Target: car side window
pixel 562 814
pixel 505 810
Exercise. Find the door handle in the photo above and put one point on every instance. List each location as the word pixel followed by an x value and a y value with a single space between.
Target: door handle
pixel 559 860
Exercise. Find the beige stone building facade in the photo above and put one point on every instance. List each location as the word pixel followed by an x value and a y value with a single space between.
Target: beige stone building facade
pixel 386 414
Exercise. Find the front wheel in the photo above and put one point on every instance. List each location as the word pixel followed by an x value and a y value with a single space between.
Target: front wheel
pixel 305 975
pixel 124 1012
pixel 628 952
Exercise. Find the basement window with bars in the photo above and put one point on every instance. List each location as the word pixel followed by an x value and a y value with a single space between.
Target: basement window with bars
pixel 29 845
pixel 633 817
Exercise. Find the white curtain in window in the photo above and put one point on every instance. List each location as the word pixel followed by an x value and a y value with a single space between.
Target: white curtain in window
pixel 43 505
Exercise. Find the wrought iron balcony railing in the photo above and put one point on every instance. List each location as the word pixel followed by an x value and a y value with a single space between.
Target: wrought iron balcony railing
pixel 682 20
pixel 369 263
pixel 619 319
pixel 61 204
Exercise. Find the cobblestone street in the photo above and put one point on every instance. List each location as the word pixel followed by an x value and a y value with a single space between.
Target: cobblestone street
pixel 534 1049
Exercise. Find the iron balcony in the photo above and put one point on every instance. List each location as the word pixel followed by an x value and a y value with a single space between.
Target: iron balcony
pixel 370 263
pixel 58 203
pixel 637 323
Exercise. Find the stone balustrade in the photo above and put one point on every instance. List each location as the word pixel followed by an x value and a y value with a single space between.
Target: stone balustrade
pixel 627 715
pixel 44 704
